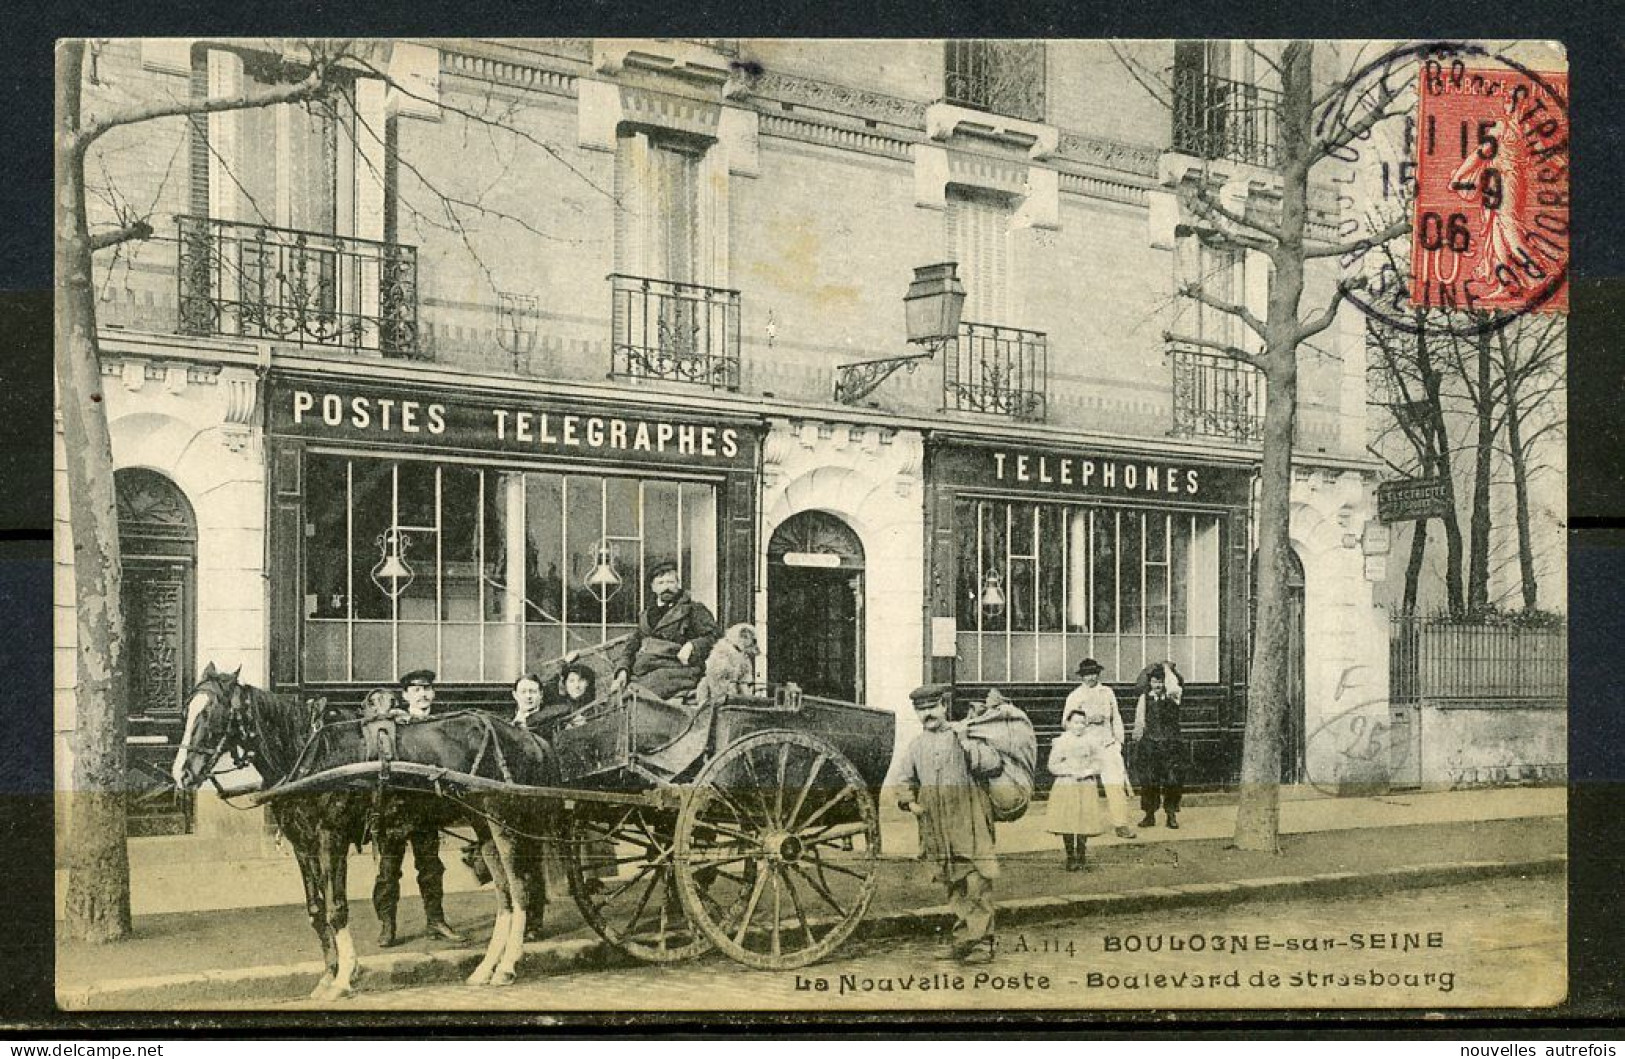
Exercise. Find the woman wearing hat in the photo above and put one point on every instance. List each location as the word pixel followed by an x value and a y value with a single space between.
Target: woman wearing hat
pixel 1102 740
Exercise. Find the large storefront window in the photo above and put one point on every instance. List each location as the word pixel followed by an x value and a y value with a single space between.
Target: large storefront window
pixel 482 573
pixel 1041 585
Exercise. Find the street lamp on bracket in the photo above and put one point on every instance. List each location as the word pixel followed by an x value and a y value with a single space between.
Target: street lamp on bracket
pixel 931 311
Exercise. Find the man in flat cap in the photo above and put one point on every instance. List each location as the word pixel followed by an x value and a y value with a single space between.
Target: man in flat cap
pixel 945 776
pixel 1103 738
pixel 393 836
pixel 675 633
pixel 1159 749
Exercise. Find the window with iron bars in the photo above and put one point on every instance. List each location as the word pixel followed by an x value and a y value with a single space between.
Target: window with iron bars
pixel 1217 116
pixel 999 76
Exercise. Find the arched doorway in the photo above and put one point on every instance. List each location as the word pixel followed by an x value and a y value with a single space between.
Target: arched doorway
pixel 158 541
pixel 1292 734
pixel 815 606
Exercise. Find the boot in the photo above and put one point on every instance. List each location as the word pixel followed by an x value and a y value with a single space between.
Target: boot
pixel 1083 853
pixel 1071 842
pixel 1148 820
pixel 435 918
pixel 386 930
pixel 1173 821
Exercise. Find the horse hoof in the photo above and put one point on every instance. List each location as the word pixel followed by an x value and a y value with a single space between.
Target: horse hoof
pixel 320 992
pixel 480 977
pixel 502 978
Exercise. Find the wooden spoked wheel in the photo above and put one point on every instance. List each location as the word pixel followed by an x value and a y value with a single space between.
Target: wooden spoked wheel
pixel 621 876
pixel 777 847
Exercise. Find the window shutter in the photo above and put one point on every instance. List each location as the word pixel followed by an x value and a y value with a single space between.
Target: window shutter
pixel 631 167
pixel 978 237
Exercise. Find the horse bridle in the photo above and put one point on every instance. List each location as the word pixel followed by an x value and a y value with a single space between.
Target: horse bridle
pixel 238 736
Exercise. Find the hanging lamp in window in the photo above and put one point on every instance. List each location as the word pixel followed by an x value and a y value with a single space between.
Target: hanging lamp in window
pixel 992 595
pixel 602 580
pixel 392 575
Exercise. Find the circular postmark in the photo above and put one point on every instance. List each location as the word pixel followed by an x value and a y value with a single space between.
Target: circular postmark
pixel 1467 147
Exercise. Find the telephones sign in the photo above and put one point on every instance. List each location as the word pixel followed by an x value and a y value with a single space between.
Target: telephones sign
pixel 1491 228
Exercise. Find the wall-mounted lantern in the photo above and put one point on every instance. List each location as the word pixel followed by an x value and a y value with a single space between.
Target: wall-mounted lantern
pixel 931 312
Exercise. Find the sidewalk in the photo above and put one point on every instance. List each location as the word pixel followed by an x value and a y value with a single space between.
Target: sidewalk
pixel 1329 846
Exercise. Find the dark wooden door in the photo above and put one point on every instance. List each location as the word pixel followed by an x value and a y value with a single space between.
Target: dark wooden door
pixel 158 537
pixel 813 621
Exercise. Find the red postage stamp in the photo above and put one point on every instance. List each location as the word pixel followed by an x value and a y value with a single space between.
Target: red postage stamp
pixel 1491 228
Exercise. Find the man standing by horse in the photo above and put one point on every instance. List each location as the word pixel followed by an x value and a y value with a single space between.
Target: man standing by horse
pixel 392 836
pixel 666 655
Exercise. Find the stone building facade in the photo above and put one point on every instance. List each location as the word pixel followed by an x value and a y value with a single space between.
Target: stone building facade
pixel 689 239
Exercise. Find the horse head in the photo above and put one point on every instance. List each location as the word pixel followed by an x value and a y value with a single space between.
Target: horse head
pixel 211 712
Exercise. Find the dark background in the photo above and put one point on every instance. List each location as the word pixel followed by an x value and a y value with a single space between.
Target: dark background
pixel 1596 41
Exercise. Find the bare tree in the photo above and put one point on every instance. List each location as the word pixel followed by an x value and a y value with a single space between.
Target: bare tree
pixel 98 897
pixel 1529 359
pixel 312 73
pixel 1311 130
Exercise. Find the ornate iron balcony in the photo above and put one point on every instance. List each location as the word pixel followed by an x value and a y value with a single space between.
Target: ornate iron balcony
pixel 999 76
pixel 257 281
pixel 1215 396
pixel 676 331
pixel 996 370
pixel 1215 117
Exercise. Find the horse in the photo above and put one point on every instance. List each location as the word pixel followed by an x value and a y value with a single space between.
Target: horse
pixel 282 740
pixel 270 733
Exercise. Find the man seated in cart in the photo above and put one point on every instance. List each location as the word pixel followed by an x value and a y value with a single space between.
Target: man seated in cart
pixel 666 655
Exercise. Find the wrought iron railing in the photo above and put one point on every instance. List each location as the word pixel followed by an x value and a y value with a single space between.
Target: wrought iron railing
pixel 1437 659
pixel 1000 76
pixel 676 331
pixel 1215 395
pixel 1215 117
pixel 997 370
pixel 258 281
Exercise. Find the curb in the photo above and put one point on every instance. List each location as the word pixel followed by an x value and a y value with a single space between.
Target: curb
pixel 400 970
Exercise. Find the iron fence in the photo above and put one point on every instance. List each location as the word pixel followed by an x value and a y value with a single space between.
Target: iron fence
pixel 999 76
pixel 1440 660
pixel 997 370
pixel 1215 117
pixel 676 331
pixel 1215 395
pixel 258 281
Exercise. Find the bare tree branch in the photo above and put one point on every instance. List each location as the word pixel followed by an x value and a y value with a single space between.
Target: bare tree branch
pixel 1314 326
pixel 1164 97
pixel 1228 350
pixel 1195 292
pixel 1207 205
pixel 133 230
pixel 315 84
pixel 1393 231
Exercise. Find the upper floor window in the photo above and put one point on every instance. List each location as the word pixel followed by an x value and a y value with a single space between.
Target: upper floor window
pixel 977 236
pixel 1225 102
pixel 1001 76
pixel 660 224
pixel 293 165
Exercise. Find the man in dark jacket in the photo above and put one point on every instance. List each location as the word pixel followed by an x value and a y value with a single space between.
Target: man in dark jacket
pixel 393 836
pixel 666 655
pixel 1159 749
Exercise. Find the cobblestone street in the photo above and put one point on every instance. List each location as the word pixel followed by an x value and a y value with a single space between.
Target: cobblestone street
pixel 1496 943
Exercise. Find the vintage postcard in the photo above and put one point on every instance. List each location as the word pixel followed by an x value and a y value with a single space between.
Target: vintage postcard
pixel 729 525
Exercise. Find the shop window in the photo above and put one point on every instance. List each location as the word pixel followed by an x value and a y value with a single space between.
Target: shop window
pixel 1043 585
pixel 481 573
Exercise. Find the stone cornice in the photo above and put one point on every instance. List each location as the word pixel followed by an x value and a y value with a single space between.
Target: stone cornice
pixel 794 127
pixel 505 72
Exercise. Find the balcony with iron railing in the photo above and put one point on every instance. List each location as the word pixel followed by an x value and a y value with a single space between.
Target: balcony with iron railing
pixel 997 371
pixel 1215 396
pixel 998 76
pixel 1217 118
pixel 306 288
pixel 679 332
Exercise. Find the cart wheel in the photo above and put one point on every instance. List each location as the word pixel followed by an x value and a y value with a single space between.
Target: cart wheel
pixel 777 846
pixel 622 880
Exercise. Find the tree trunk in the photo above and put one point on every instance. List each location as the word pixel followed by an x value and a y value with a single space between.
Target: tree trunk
pixel 1258 815
pixel 1413 568
pixel 98 897
pixel 1520 492
pixel 1440 442
pixel 1478 562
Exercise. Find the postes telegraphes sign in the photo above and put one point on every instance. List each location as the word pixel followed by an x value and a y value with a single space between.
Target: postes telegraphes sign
pixel 507 425
pixel 1412 498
